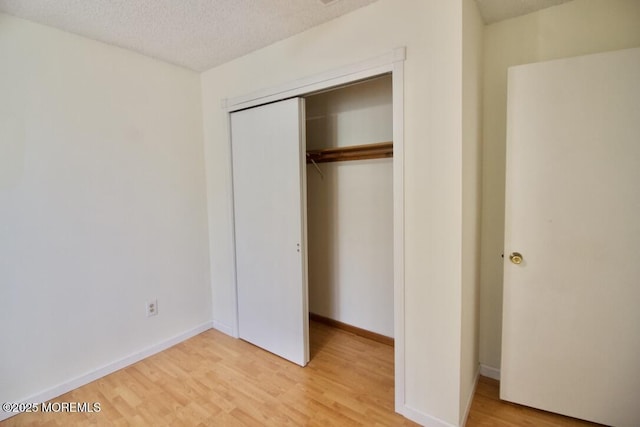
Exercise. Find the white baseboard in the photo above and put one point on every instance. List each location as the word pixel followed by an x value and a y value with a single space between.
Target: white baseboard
pixel 430 421
pixel 470 398
pixel 422 418
pixel 225 329
pixel 488 371
pixel 110 368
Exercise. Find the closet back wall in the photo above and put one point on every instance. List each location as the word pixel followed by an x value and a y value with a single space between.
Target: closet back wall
pixel 350 209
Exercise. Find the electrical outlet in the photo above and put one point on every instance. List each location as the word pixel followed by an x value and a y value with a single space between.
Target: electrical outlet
pixel 152 307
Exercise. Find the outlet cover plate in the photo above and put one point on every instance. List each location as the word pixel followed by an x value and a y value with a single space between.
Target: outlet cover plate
pixel 152 307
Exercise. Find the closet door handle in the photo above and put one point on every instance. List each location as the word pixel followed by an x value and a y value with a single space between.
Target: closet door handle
pixel 298 247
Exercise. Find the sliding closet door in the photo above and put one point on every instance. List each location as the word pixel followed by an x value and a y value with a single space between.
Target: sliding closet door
pixel 269 198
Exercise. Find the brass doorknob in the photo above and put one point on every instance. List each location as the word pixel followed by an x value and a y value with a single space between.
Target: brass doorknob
pixel 515 257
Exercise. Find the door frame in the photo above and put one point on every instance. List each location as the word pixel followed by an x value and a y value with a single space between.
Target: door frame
pixel 390 63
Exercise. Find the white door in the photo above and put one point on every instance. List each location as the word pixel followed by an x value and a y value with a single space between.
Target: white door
pixel 571 319
pixel 269 198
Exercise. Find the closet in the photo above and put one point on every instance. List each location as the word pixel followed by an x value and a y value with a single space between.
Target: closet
pixel 349 134
pixel 313 214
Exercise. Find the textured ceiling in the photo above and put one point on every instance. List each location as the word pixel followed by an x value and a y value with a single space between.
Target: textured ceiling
pixel 200 34
pixel 499 10
pixel 197 34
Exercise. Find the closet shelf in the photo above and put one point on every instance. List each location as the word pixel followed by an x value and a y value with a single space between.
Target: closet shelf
pixel 353 152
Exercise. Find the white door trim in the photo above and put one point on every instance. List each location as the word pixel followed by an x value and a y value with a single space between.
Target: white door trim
pixel 398 233
pixel 362 70
pixel 391 62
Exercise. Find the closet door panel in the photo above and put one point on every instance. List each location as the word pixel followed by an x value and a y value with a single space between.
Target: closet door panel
pixel 269 199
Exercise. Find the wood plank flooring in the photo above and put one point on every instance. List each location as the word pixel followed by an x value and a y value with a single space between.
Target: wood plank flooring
pixel 488 410
pixel 215 380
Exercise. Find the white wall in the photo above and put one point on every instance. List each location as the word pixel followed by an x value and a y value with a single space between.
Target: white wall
pixel 350 209
pixel 575 28
pixel 472 55
pixel 102 206
pixel 432 33
pixel 357 114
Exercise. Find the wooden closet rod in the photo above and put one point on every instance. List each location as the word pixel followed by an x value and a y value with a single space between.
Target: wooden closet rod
pixel 353 152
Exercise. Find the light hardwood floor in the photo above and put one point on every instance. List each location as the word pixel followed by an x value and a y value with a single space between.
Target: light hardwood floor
pixel 488 410
pixel 216 380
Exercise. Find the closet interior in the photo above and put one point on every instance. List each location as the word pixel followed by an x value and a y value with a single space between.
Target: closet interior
pixel 349 152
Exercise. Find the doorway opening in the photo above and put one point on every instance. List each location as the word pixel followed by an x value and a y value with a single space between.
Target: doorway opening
pixel 349 152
